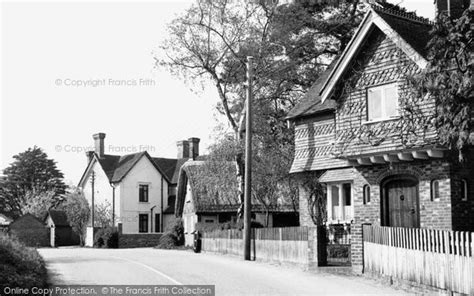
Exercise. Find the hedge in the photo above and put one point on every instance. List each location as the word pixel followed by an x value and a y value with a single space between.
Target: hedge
pixel 20 266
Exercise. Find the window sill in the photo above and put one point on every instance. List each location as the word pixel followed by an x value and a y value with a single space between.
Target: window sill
pixel 143 202
pixel 381 120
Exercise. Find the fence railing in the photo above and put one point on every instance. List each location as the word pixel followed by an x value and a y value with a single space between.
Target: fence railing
pixel 286 245
pixel 438 258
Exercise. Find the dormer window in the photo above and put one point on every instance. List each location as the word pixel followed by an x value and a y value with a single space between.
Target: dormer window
pixel 382 102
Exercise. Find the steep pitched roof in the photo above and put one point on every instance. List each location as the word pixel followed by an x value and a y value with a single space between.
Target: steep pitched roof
pixel 167 165
pixel 414 30
pixel 311 102
pixel 409 32
pixel 116 167
pixel 59 218
pixel 404 29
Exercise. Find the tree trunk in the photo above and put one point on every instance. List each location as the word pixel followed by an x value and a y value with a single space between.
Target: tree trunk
pixel 267 217
pixel 240 162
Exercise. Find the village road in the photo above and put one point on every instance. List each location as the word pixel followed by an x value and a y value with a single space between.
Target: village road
pixel 230 275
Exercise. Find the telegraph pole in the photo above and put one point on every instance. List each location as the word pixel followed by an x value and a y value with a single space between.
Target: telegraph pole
pixel 248 162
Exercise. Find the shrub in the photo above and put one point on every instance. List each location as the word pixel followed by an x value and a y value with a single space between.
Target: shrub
pixel 177 229
pixel 168 241
pixel 20 266
pixel 173 236
pixel 106 238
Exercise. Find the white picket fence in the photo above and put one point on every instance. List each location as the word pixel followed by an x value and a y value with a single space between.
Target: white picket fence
pixel 442 259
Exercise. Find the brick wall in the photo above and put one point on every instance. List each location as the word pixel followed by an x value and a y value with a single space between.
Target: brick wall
pixel 139 240
pixel 433 214
pixel 305 217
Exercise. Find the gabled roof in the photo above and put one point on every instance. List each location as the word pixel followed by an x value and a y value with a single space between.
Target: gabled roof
pixel 409 32
pixel 116 167
pixel 415 31
pixel 311 102
pixel 59 218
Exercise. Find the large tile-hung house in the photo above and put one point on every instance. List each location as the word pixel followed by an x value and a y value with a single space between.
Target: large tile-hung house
pixel 139 187
pixel 352 130
pixel 196 204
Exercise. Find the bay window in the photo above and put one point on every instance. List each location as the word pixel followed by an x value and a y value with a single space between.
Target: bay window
pixel 339 202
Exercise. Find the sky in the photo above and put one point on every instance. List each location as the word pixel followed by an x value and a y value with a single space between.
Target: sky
pixel 72 69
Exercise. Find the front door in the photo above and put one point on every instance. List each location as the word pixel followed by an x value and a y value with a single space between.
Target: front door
pixel 401 203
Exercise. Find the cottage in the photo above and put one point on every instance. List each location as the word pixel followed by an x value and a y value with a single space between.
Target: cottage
pixel 195 203
pixel 30 231
pixel 137 186
pixel 352 130
pixel 61 233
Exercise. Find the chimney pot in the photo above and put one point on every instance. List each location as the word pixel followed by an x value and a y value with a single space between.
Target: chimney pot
pixel 193 147
pixel 99 144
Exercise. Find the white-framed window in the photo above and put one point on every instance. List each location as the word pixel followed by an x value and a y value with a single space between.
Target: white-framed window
pixel 382 102
pixel 340 202
pixel 366 194
pixel 464 189
pixel 435 195
pixel 143 192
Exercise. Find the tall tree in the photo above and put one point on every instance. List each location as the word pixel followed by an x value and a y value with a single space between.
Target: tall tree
pixel 77 210
pixel 32 171
pixel 291 45
pixel 449 79
pixel 39 203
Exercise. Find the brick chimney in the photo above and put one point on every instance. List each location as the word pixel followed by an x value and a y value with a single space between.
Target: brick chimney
pixel 455 8
pixel 193 147
pixel 183 149
pixel 99 144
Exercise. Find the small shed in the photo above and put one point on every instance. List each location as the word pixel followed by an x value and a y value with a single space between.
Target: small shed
pixel 30 231
pixel 61 233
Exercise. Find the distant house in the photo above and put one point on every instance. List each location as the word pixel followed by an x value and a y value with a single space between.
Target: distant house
pixel 30 231
pixel 195 205
pixel 5 220
pixel 61 233
pixel 139 187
